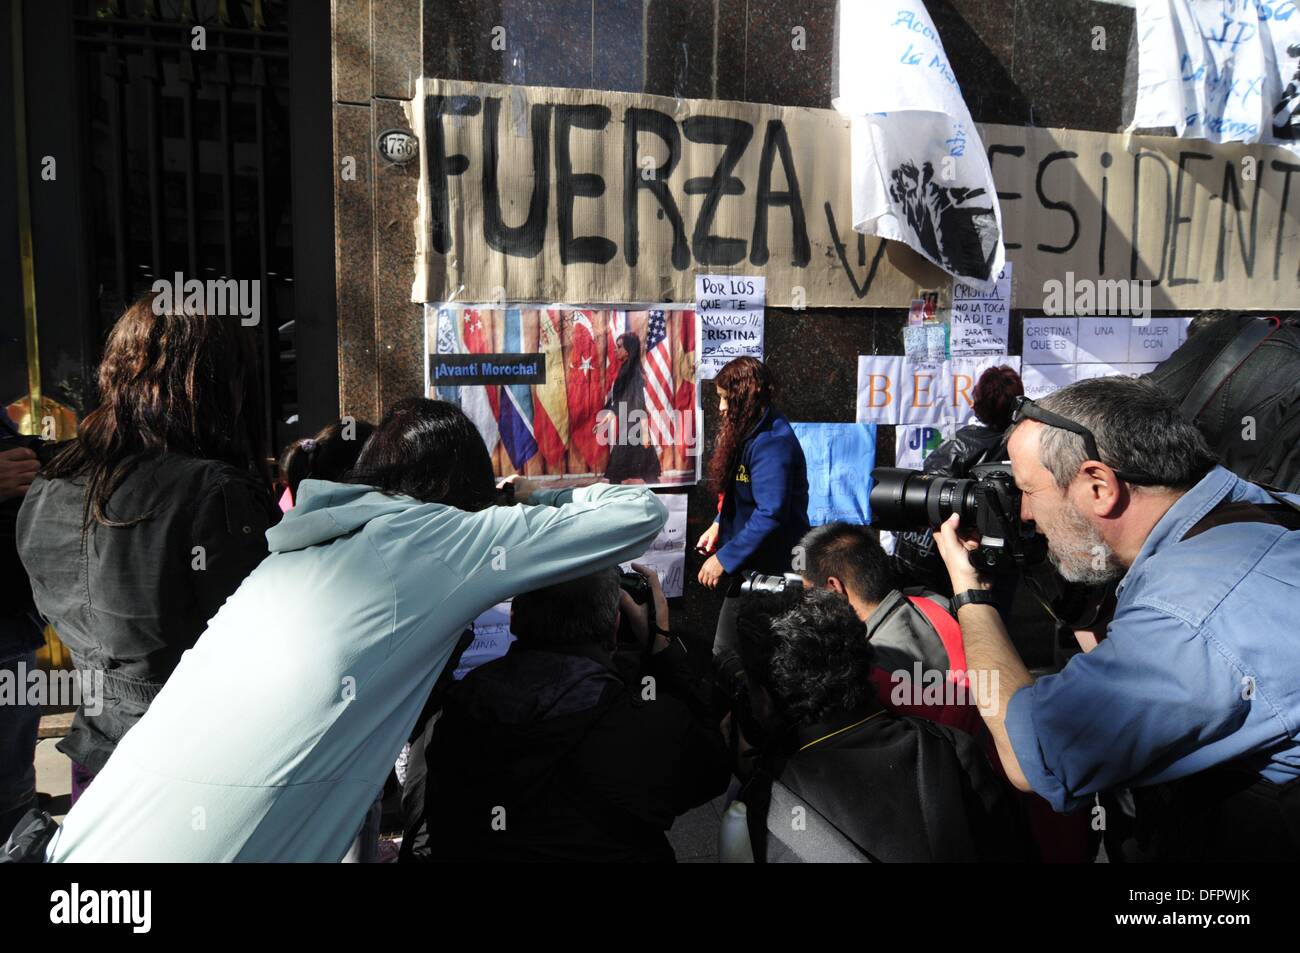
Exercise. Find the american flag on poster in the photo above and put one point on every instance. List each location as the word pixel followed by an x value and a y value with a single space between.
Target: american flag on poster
pixel 659 390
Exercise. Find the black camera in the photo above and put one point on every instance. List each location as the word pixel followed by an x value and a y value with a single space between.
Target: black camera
pixel 757 582
pixel 638 587
pixel 987 503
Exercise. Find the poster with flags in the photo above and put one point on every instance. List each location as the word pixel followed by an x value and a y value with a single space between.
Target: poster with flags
pixel 573 393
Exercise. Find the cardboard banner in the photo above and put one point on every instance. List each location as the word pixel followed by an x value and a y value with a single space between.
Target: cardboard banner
pixel 542 194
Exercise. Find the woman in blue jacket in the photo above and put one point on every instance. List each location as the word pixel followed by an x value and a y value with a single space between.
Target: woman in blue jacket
pixel 758 467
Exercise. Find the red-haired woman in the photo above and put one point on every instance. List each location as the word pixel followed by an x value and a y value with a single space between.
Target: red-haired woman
pixel 759 468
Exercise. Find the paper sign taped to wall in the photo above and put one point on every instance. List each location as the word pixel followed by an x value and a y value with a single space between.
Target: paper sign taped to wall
pixel 897 390
pixel 730 311
pixel 981 320
pixel 667 553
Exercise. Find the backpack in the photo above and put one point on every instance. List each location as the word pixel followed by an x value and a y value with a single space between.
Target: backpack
pixel 1239 382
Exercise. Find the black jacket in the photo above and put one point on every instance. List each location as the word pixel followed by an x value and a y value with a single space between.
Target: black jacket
pixel 972 444
pixel 132 599
pixel 553 756
pixel 902 789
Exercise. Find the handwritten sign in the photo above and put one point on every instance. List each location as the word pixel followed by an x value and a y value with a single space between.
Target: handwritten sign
pixel 730 312
pixel 1050 340
pixel 667 553
pixel 1104 340
pixel 1222 70
pixel 981 320
pixel 492 638
pixel 926 342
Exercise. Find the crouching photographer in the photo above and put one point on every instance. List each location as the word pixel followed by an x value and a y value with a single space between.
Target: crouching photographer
pixel 916 643
pixel 1194 695
pixel 841 778
pixel 566 749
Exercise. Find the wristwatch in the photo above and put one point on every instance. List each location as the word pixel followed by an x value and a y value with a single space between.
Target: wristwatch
pixel 981 597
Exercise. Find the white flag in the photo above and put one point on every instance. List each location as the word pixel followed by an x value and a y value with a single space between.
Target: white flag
pixel 1222 70
pixel 920 172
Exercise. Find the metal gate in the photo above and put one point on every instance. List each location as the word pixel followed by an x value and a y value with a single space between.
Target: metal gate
pixel 186 145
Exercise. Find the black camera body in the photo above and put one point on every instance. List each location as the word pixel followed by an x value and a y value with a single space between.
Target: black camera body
pixel 638 587
pixel 987 503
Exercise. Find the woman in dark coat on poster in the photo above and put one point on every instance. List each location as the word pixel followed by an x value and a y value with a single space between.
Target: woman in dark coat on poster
pixel 758 466
pixel 630 460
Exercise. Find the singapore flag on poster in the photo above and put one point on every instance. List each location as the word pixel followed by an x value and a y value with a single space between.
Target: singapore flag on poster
pixel 920 172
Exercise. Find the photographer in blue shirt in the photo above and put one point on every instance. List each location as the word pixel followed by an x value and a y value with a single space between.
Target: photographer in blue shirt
pixel 1196 687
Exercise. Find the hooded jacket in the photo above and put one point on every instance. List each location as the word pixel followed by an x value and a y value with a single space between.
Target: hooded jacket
pixel 275 732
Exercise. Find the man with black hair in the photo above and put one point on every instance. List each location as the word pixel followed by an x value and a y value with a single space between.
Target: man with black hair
pixel 920 663
pixel 566 750
pixel 842 778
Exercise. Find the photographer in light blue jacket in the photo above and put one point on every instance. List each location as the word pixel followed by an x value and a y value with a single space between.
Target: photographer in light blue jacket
pixel 269 741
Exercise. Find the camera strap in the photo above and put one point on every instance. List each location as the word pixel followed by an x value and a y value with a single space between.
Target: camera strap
pixel 949 631
pixel 1225 364
pixel 1283 513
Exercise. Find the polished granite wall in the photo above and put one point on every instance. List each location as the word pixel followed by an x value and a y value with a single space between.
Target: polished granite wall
pixel 1020 62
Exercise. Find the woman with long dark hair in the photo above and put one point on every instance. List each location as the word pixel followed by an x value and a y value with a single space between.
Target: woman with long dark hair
pixel 759 469
pixel 138 530
pixel 624 413
pixel 311 677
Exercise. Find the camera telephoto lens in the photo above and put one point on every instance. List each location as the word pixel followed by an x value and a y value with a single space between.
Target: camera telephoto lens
pixel 909 499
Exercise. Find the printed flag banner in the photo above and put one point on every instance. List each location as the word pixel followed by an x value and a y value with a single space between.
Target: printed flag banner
pixel 516 422
pixel 548 390
pixel 550 400
pixel 585 382
pixel 920 174
pixel 462 332
pixel 1222 70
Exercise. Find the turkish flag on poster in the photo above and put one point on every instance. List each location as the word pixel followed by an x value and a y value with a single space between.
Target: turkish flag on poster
pixel 585 390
